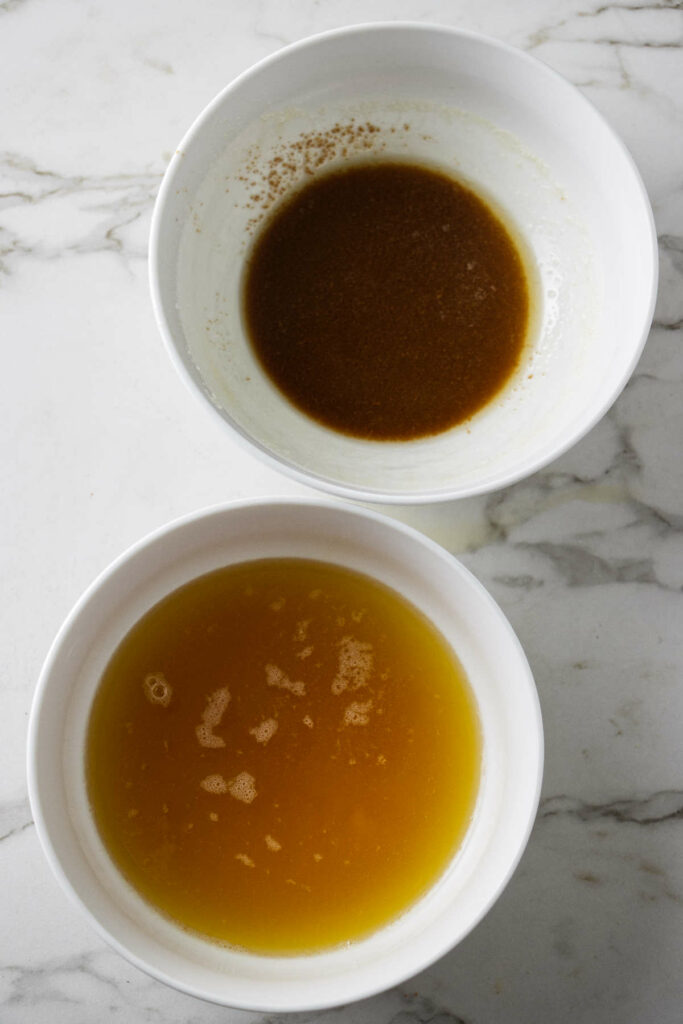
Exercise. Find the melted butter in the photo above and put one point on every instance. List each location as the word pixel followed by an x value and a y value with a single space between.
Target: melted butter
pixel 283 756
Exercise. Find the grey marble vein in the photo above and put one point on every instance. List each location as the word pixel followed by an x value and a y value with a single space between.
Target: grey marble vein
pixel 7 6
pixel 100 208
pixel 15 817
pixel 424 1011
pixel 580 568
pixel 673 246
pixel 415 1009
pixel 569 28
pixel 655 809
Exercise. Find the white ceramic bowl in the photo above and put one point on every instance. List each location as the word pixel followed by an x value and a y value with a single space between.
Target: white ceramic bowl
pixel 492 116
pixel 401 558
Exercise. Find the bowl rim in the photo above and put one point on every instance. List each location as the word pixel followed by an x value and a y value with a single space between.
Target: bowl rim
pixel 314 479
pixel 382 982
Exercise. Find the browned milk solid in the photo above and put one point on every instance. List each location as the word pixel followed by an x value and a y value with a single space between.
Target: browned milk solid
pixel 283 755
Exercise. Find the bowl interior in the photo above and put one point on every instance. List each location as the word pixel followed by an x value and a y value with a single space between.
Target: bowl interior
pixel 495 119
pixel 506 701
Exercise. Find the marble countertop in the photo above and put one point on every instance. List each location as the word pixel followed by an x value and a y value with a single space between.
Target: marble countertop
pixel 100 444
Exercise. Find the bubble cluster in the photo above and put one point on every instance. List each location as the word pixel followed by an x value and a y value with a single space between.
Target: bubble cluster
pixel 157 689
pixel 273 844
pixel 243 787
pixel 264 731
pixel 215 784
pixel 355 665
pixel 276 677
pixel 245 859
pixel 211 718
pixel 357 713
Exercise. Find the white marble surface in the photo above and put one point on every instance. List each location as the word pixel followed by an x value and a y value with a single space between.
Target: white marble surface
pixel 100 443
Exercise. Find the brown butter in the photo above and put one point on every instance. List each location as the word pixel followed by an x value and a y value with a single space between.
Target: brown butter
pixel 387 301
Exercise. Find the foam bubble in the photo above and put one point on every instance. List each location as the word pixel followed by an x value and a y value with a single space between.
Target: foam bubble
pixel 264 731
pixel 304 653
pixel 245 859
pixel 357 713
pixel 215 784
pixel 307 720
pixel 276 677
pixel 211 718
pixel 243 788
pixel 273 844
pixel 355 665
pixel 157 689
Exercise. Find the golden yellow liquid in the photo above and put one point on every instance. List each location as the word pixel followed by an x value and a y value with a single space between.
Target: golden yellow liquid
pixel 283 755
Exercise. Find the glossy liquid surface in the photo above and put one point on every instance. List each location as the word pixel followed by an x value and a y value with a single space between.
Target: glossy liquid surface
pixel 387 301
pixel 283 755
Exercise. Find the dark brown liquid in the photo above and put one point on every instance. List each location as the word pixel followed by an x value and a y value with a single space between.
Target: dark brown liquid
pixel 283 755
pixel 386 301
